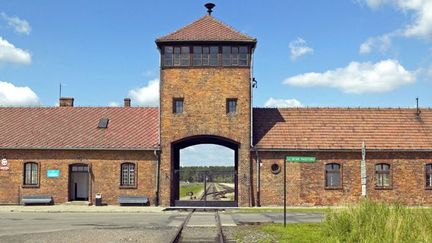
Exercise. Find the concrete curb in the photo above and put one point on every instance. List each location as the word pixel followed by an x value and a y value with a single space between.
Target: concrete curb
pixel 79 209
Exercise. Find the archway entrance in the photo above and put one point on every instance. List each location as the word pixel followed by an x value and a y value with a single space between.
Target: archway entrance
pixel 204 172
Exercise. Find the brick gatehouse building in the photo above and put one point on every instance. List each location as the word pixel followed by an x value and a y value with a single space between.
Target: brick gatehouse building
pixel 72 153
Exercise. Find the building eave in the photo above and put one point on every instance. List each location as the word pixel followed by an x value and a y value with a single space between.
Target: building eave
pixel 84 149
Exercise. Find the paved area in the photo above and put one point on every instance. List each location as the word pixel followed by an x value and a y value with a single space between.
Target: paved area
pixel 145 226
pixel 62 208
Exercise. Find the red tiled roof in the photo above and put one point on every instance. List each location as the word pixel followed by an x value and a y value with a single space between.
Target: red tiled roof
pixel 77 128
pixel 342 128
pixel 206 28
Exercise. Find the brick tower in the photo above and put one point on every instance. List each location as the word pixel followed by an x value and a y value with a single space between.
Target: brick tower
pixel 205 97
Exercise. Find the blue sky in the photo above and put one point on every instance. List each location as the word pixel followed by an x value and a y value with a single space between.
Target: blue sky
pixel 310 53
pixel 340 53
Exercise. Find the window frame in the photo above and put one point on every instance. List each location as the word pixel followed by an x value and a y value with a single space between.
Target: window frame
pixel 428 171
pixel 389 173
pixel 228 101
pixel 24 182
pixel 240 56
pixel 174 108
pixel 135 175
pixel 340 172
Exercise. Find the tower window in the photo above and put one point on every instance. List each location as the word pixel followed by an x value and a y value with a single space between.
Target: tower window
pixel 168 56
pixel 178 105
pixel 234 56
pixel 231 106
pixel 198 56
pixel 176 56
pixel 205 56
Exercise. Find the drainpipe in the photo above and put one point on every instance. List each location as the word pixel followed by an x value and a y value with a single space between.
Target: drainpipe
pixel 157 155
pixel 258 183
pixel 363 174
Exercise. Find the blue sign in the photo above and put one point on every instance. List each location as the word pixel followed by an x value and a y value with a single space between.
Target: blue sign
pixel 53 173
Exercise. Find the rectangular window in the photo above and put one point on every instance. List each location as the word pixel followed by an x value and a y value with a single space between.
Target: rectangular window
pixel 235 56
pixel 226 55
pixel 176 56
pixel 178 105
pixel 333 175
pixel 382 176
pixel 31 174
pixel 231 106
pixel 429 176
pixel 214 52
pixel 243 56
pixel 168 56
pixel 127 174
pixel 185 56
pixel 198 56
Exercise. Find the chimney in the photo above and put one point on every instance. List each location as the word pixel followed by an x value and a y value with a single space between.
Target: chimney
pixel 66 102
pixel 418 111
pixel 127 102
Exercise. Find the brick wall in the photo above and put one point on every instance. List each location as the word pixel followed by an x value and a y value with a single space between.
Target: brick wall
pixel 105 171
pixel 205 91
pixel 306 185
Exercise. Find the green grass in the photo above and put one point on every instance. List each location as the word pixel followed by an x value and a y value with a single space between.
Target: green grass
pixel 379 222
pixel 298 233
pixel 192 187
pixel 365 222
pixel 280 210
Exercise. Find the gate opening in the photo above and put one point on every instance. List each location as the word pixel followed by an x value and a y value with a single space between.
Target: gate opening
pixel 205 172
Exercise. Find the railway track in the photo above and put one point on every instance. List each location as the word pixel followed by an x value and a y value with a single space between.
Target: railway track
pixel 219 237
pixel 216 191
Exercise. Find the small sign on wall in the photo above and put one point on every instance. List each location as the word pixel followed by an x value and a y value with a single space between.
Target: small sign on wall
pixel 4 165
pixel 53 173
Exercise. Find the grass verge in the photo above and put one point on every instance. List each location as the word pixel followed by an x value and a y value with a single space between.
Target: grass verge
pixel 195 188
pixel 280 210
pixel 365 222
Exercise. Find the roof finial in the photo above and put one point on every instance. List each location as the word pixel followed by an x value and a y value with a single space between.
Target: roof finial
pixel 209 7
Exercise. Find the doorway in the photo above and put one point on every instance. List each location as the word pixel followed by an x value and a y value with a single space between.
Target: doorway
pixel 79 182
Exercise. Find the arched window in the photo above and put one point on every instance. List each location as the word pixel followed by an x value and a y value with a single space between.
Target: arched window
pixel 428 176
pixel 127 175
pixel 31 174
pixel 333 175
pixel 382 175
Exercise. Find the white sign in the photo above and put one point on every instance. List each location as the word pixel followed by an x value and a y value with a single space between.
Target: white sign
pixel 4 165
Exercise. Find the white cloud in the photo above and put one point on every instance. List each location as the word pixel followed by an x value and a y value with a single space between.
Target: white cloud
pixel 11 95
pixel 281 103
pixel 113 104
pixel 382 43
pixel 358 77
pixel 9 53
pixel 376 3
pixel 20 25
pixel 299 48
pixel 147 95
pixel 420 25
